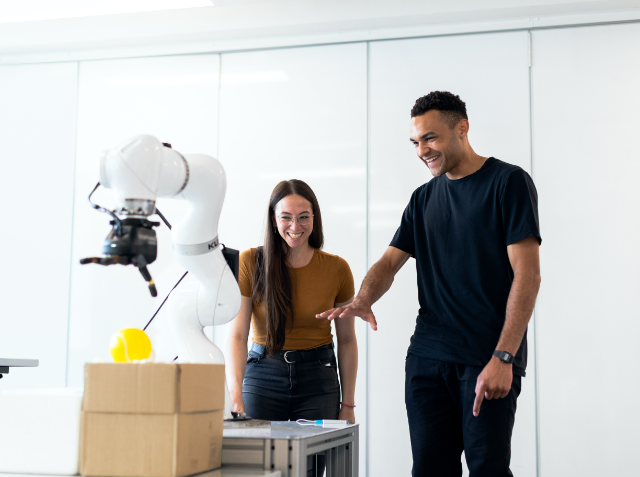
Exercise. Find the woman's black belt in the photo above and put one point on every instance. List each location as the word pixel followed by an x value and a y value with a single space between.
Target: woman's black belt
pixel 293 356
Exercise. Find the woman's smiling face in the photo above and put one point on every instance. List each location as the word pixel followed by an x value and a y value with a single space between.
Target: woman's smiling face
pixel 293 233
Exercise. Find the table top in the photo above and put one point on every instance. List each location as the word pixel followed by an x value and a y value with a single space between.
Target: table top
pixel 283 430
pixel 19 363
pixel 224 471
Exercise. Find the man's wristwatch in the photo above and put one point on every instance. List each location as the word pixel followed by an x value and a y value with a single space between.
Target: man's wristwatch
pixel 504 356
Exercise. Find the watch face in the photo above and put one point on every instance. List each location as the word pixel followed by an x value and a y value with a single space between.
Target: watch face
pixel 504 356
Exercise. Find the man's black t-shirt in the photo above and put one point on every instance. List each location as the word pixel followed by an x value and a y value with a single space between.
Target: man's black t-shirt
pixel 458 232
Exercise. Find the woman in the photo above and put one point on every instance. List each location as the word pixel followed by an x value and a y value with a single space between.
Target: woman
pixel 291 370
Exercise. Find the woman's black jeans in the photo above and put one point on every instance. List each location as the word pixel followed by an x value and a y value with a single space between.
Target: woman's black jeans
pixel 275 390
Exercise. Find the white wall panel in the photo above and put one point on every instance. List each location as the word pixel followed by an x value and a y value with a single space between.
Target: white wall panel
pixel 298 113
pixel 586 164
pixel 175 99
pixel 490 73
pixel 37 124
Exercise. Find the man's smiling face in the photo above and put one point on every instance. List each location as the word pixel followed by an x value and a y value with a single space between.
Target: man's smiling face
pixel 436 144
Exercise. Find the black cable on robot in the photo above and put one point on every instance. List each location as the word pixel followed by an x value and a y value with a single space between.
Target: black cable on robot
pixel 174 287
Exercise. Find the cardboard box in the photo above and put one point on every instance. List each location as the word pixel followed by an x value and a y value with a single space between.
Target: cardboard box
pixel 152 419
pixel 150 445
pixel 153 388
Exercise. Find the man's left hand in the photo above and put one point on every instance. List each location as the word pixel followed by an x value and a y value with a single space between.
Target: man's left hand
pixel 493 382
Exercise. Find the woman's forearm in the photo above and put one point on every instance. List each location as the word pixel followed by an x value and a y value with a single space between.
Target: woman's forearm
pixel 348 367
pixel 237 353
pixel 236 367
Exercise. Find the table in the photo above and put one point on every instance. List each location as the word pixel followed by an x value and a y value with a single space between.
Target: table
pixel 286 446
pixel 6 363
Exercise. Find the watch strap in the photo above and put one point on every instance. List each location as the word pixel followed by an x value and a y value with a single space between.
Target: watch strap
pixel 504 356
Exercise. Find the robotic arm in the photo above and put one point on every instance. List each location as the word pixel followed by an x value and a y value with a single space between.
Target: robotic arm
pixel 140 170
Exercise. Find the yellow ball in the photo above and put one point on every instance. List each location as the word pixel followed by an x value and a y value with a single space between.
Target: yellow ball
pixel 129 344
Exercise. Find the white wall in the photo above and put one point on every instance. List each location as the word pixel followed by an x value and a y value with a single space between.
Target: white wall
pixel 586 166
pixel 490 72
pixel 37 132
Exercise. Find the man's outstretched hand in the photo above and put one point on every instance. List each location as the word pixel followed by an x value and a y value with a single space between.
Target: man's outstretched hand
pixel 493 382
pixel 356 308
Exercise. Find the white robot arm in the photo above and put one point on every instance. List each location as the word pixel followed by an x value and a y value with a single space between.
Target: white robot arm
pixel 140 170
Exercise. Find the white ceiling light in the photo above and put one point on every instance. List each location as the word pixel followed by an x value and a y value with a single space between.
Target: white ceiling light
pixel 12 11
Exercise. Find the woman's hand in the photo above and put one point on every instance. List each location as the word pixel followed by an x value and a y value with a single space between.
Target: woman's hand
pixel 347 414
pixel 237 406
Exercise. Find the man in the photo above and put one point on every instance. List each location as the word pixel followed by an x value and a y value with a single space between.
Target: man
pixel 473 230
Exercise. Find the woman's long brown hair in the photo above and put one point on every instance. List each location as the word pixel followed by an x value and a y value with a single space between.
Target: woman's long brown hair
pixel 271 280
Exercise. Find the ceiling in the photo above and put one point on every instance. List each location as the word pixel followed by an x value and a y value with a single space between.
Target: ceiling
pixel 89 24
pixel 13 11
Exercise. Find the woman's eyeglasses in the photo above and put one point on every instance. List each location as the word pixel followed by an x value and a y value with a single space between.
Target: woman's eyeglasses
pixel 304 219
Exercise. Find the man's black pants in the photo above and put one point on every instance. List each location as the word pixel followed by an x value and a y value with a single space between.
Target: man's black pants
pixel 439 397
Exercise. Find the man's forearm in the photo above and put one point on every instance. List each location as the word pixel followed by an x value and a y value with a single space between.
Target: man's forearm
pixel 376 283
pixel 522 299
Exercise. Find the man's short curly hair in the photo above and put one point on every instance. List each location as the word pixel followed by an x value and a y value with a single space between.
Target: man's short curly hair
pixel 450 106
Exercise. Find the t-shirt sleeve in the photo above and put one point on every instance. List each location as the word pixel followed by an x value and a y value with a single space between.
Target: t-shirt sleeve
pixel 347 289
pixel 245 275
pixel 520 208
pixel 404 238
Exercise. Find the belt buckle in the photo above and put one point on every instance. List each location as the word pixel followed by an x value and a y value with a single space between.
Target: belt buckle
pixel 286 359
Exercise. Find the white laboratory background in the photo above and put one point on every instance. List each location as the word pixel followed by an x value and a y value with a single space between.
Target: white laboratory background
pixel 560 103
